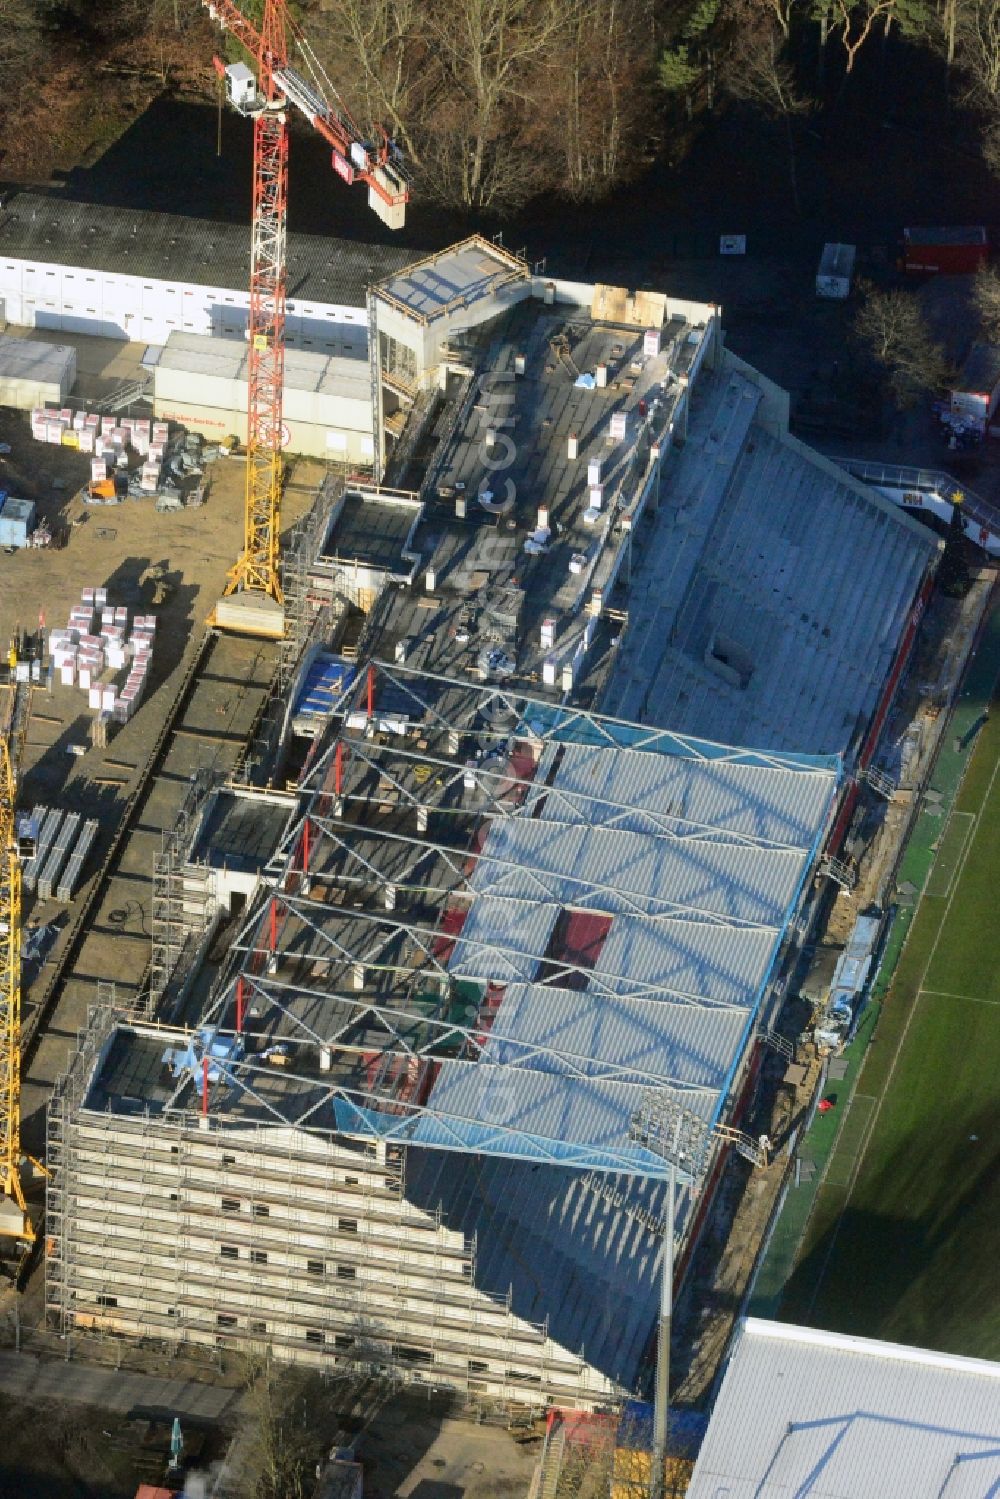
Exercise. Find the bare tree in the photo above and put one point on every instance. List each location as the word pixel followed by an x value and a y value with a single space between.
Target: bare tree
pixel 986 299
pixel 599 84
pixel 481 141
pixel 854 21
pixel 758 71
pixel 890 327
pixel 377 53
pixel 977 50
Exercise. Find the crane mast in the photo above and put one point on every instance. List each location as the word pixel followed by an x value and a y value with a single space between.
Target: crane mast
pixel 253 601
pixel 14 1220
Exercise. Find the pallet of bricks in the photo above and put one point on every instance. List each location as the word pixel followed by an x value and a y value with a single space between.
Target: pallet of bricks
pixel 97 650
pixel 101 436
pixel 107 439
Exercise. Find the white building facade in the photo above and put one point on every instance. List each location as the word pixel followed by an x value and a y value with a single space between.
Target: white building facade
pixel 147 309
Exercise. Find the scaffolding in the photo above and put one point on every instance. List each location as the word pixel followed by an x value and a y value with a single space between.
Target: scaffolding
pixel 183 907
pixel 306 619
pixel 179 1230
pixel 247 1180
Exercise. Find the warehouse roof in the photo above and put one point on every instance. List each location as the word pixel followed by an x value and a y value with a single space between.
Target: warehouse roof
pixel 173 247
pixel 770 598
pixel 222 358
pixel 814 1413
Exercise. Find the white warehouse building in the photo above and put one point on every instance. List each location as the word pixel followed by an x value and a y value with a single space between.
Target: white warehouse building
pixel 201 382
pixel 120 273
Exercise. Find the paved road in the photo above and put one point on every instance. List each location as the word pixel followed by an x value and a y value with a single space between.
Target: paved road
pixel 29 1377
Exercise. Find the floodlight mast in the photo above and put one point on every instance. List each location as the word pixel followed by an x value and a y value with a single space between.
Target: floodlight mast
pixel 255 579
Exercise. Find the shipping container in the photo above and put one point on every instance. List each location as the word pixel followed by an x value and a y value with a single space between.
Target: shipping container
pixel 947 251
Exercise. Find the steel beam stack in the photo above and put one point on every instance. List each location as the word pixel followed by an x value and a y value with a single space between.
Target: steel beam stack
pixel 50 818
pixel 71 875
pixel 58 855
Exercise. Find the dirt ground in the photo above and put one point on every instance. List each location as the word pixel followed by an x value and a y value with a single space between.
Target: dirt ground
pixel 113 546
pixel 410 1453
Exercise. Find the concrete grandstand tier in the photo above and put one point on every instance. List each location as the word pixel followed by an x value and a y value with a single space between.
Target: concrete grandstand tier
pixel 770 599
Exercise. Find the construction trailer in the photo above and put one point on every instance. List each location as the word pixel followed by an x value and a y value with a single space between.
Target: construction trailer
pixel 201 383
pixel 975 395
pixel 128 274
pixel 34 373
pixel 836 270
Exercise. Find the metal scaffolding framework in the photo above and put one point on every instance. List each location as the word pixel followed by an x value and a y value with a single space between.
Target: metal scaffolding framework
pixel 352 979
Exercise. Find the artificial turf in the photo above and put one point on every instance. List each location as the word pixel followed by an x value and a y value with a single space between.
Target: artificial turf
pixel 911 1255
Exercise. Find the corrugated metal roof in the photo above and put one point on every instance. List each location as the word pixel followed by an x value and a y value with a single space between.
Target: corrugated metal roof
pixel 501 1110
pixel 666 846
pixel 773 804
pixel 808 1413
pixel 503 939
pixel 598 1034
pixel 223 358
pixel 173 247
pixel 717 965
pixel 606 869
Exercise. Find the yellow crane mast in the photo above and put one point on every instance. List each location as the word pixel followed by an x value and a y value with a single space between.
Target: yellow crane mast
pixel 14 1219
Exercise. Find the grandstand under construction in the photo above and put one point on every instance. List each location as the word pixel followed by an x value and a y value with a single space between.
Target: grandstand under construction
pixel 458 992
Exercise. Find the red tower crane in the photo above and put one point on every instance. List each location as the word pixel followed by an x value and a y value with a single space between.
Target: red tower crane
pixel 253 600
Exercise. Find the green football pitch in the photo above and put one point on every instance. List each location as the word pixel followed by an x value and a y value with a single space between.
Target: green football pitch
pixel 906 1245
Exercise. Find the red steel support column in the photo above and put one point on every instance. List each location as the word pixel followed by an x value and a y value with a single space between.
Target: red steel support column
pixel 273 914
pixel 305 846
pixel 239 1003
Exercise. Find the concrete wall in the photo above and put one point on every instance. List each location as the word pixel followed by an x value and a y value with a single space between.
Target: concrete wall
pixel 37 294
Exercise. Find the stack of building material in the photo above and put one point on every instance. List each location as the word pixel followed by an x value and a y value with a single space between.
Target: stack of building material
pixel 71 876
pixel 49 819
pixel 58 854
pixel 89 659
pixel 141 437
pixel 70 429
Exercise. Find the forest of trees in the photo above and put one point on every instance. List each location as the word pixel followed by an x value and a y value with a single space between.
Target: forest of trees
pixel 496 101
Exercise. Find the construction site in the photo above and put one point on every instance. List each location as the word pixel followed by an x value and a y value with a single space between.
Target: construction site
pixel 427 1002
